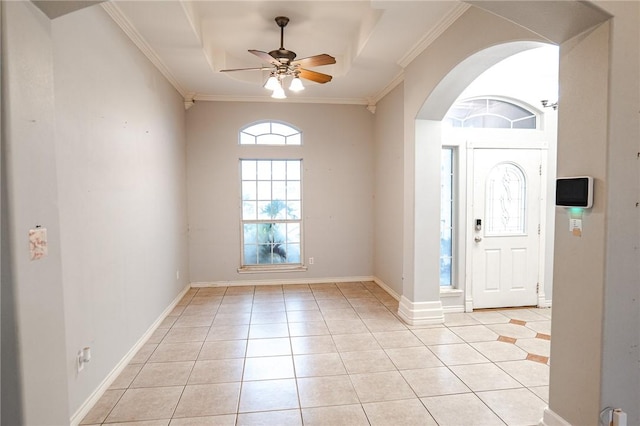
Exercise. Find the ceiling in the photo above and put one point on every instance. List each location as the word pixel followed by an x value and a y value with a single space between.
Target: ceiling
pixel 191 41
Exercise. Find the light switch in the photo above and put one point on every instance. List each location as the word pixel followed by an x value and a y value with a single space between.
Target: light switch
pixel 575 226
pixel 38 243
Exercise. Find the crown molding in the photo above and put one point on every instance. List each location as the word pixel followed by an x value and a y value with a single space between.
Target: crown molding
pixel 432 35
pixel 388 88
pixel 420 47
pixel 118 17
pixel 293 100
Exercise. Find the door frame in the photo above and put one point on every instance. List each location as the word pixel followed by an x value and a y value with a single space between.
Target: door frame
pixel 467 219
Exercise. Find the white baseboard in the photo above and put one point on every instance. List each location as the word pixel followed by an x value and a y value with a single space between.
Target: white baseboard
pixel 386 288
pixel 111 377
pixel 550 418
pixel 453 309
pixel 420 313
pixel 274 281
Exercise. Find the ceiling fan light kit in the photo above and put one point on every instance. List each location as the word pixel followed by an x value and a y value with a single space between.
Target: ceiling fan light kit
pixel 285 65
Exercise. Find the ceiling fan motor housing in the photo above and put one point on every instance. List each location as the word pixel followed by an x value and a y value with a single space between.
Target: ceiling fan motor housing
pixel 283 55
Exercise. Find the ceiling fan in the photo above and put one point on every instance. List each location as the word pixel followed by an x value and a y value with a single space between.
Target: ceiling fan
pixel 283 65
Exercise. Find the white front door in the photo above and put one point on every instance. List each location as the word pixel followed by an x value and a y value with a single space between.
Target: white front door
pixel 504 236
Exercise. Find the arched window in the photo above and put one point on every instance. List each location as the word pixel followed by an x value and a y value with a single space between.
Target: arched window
pixel 487 113
pixel 270 133
pixel 271 192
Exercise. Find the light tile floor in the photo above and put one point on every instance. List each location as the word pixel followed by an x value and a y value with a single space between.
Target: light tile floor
pixel 330 354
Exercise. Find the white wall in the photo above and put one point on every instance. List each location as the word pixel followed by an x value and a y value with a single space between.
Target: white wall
pixel 337 155
pixel 388 201
pixel 121 161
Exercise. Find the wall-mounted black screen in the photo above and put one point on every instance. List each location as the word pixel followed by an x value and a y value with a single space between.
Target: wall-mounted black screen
pixel 574 192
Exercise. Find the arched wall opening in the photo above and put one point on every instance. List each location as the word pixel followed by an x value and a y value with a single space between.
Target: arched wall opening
pixel 596 132
pixel 431 131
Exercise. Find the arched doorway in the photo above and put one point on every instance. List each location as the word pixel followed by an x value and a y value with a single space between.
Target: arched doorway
pixel 498 120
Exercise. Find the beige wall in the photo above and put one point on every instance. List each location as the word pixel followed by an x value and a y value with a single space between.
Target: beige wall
pixel 102 109
pixel 579 276
pixel 121 163
pixel 621 328
pixel 337 155
pixel 388 200
pixel 97 155
pixel 39 393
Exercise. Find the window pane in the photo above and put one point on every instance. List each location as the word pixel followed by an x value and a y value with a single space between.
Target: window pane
pixel 495 122
pixel 293 211
pixel 249 210
pixel 283 129
pixel 270 139
pixel 248 169
pixel 249 191
pixel 278 170
pixel 250 254
pixel 507 109
pixel 293 170
pixel 258 129
pixel 293 232
pixel 446 217
pixel 293 253
pixel 526 123
pixel 246 139
pixel 445 272
pixel 293 190
pixel 279 190
pixel 294 139
pixel 264 190
pixel 250 233
pixel 264 170
pixel 505 203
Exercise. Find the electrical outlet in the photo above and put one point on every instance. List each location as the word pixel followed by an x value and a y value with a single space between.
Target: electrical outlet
pixel 311 261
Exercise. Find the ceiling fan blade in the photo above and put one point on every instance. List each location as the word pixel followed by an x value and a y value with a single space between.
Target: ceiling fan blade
pixel 315 61
pixel 318 77
pixel 247 69
pixel 265 56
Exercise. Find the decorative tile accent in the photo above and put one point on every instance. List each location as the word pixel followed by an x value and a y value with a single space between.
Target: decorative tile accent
pixel 538 358
pixel 518 322
pixel 543 336
pixel 506 339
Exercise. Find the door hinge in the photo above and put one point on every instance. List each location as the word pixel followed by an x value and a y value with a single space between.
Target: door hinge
pixel 538 229
pixel 540 170
pixel 537 288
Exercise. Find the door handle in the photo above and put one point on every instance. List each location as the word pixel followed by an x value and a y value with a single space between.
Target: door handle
pixel 477 239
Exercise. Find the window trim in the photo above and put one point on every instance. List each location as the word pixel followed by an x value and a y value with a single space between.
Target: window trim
pixel 271 267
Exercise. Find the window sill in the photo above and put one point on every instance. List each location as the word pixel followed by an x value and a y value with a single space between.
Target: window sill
pixel 271 269
pixel 451 292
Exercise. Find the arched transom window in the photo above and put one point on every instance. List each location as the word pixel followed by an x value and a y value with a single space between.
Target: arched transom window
pixel 270 133
pixel 486 113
